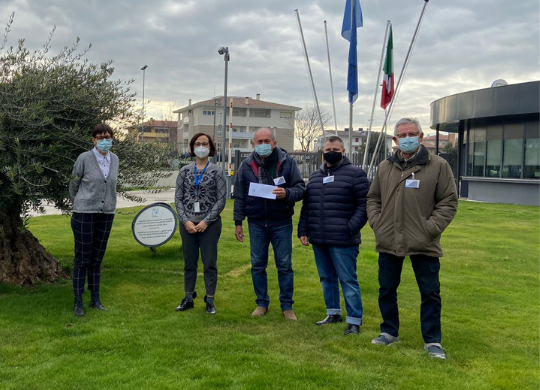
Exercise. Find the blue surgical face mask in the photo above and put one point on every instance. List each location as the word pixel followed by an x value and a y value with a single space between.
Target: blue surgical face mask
pixel 408 144
pixel 104 145
pixel 263 150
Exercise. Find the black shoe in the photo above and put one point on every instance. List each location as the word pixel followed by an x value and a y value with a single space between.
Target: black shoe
pixel 78 310
pixel 210 309
pixel 330 319
pixel 185 305
pixel 95 302
pixel 352 329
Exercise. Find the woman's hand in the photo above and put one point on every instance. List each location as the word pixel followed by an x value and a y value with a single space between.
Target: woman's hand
pixel 190 227
pixel 201 227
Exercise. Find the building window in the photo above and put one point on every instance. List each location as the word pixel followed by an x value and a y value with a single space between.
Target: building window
pixel 477 151
pixel 513 151
pixel 285 115
pixel 356 140
pixel 494 151
pixel 259 113
pixel 239 112
pixel 208 112
pixel 532 152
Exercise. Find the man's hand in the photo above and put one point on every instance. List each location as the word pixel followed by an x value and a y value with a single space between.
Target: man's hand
pixel 280 193
pixel 239 233
pixel 190 227
pixel 201 227
pixel 304 240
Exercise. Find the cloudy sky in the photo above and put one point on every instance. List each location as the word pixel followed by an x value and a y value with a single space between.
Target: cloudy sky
pixel 462 45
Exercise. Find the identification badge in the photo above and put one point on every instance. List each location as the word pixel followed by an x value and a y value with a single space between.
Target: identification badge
pixel 196 207
pixel 412 183
pixel 279 180
pixel 328 179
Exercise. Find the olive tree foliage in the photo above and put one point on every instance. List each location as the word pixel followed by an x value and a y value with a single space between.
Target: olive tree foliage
pixel 49 104
pixel 307 126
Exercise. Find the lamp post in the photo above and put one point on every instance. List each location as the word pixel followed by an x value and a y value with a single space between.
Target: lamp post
pixel 224 51
pixel 142 129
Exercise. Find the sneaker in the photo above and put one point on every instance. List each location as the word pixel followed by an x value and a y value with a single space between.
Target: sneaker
pixel 435 350
pixel 289 315
pixel 260 311
pixel 385 339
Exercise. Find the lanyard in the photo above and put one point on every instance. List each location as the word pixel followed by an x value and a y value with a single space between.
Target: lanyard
pixel 198 178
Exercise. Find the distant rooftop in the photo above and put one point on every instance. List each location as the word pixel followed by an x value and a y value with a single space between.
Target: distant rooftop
pixel 238 101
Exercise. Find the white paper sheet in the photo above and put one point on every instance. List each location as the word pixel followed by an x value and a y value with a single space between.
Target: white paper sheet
pixel 262 190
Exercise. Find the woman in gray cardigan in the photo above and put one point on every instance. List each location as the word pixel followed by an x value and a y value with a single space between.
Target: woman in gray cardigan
pixel 93 190
pixel 200 197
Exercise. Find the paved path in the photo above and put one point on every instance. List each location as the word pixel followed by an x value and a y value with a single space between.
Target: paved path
pixel 165 196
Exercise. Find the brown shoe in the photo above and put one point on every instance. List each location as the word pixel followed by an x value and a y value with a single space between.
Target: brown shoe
pixel 289 315
pixel 260 311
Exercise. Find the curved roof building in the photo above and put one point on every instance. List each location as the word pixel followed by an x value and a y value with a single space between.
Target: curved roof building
pixel 498 141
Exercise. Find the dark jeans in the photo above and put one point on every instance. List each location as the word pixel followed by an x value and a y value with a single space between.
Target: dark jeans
pixel 426 270
pixel 91 233
pixel 207 244
pixel 338 265
pixel 260 237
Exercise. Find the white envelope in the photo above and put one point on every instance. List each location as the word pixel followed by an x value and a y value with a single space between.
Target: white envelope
pixel 261 190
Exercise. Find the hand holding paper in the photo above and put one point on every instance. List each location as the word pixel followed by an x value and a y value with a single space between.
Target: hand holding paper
pixel 261 190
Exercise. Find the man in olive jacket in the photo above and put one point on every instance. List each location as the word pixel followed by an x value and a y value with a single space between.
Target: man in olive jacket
pixel 411 201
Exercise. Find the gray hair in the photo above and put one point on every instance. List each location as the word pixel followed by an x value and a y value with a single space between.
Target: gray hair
pixel 335 138
pixel 265 128
pixel 403 121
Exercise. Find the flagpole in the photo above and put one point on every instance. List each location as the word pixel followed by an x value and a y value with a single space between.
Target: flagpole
pixel 353 25
pixel 331 81
pixel 366 150
pixel 401 75
pixel 309 69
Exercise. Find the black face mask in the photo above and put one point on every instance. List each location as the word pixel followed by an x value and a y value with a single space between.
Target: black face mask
pixel 332 157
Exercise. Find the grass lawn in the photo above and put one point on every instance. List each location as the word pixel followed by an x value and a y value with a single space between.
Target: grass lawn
pixel 490 293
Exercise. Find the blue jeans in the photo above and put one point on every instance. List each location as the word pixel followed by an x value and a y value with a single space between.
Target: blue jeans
pixel 335 264
pixel 260 237
pixel 426 269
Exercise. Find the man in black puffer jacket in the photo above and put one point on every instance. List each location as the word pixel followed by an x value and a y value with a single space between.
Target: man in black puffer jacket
pixel 333 213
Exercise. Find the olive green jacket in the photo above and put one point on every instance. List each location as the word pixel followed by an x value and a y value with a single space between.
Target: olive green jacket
pixel 410 221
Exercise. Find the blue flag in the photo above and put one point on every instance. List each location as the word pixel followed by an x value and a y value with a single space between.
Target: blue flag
pixel 350 34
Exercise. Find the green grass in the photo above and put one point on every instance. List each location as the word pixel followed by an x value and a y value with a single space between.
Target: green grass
pixel 490 293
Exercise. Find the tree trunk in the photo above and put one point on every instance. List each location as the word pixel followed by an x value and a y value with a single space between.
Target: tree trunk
pixel 23 260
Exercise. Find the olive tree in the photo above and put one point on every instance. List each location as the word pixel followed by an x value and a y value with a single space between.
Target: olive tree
pixel 49 104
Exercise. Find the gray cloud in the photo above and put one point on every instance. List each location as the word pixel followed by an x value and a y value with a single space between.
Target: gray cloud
pixel 463 45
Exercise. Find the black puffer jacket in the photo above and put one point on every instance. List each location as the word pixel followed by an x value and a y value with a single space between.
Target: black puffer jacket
pixel 333 213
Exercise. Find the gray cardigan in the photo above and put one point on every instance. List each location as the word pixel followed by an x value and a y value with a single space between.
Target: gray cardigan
pixel 90 190
pixel 213 194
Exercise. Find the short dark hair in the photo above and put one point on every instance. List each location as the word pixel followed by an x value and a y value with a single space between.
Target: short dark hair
pixel 101 128
pixel 210 141
pixel 335 138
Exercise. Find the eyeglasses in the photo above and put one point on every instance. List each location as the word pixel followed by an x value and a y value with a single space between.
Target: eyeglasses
pixel 205 144
pixel 99 138
pixel 407 135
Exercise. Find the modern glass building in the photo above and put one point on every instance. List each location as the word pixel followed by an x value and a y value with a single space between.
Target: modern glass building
pixel 498 134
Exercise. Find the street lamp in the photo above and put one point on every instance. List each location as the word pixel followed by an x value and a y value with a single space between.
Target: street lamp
pixel 143 74
pixel 224 51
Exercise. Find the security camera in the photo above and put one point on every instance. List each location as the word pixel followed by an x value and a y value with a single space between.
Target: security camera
pixel 223 50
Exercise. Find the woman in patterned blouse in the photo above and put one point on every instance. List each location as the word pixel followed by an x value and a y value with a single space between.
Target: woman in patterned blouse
pixel 201 192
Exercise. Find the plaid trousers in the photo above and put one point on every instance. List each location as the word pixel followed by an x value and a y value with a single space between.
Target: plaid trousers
pixel 91 233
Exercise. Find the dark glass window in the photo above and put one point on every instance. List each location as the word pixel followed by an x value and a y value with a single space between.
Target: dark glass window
pixel 494 151
pixel 532 151
pixel 513 150
pixel 479 153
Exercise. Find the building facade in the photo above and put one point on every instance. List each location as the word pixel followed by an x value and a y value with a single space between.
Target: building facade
pixel 498 141
pixel 248 115
pixel 155 130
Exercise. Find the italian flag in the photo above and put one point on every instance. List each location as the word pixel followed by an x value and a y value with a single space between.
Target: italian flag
pixel 388 69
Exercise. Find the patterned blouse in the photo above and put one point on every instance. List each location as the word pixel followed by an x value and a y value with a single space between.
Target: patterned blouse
pixel 212 194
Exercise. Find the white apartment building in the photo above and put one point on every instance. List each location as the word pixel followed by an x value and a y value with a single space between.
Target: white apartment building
pixel 248 115
pixel 358 139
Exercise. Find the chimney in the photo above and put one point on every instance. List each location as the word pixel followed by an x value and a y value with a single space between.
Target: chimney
pixel 258 96
pixel 247 101
pixel 189 102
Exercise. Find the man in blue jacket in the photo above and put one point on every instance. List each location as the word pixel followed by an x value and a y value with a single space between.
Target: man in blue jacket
pixel 333 213
pixel 269 220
